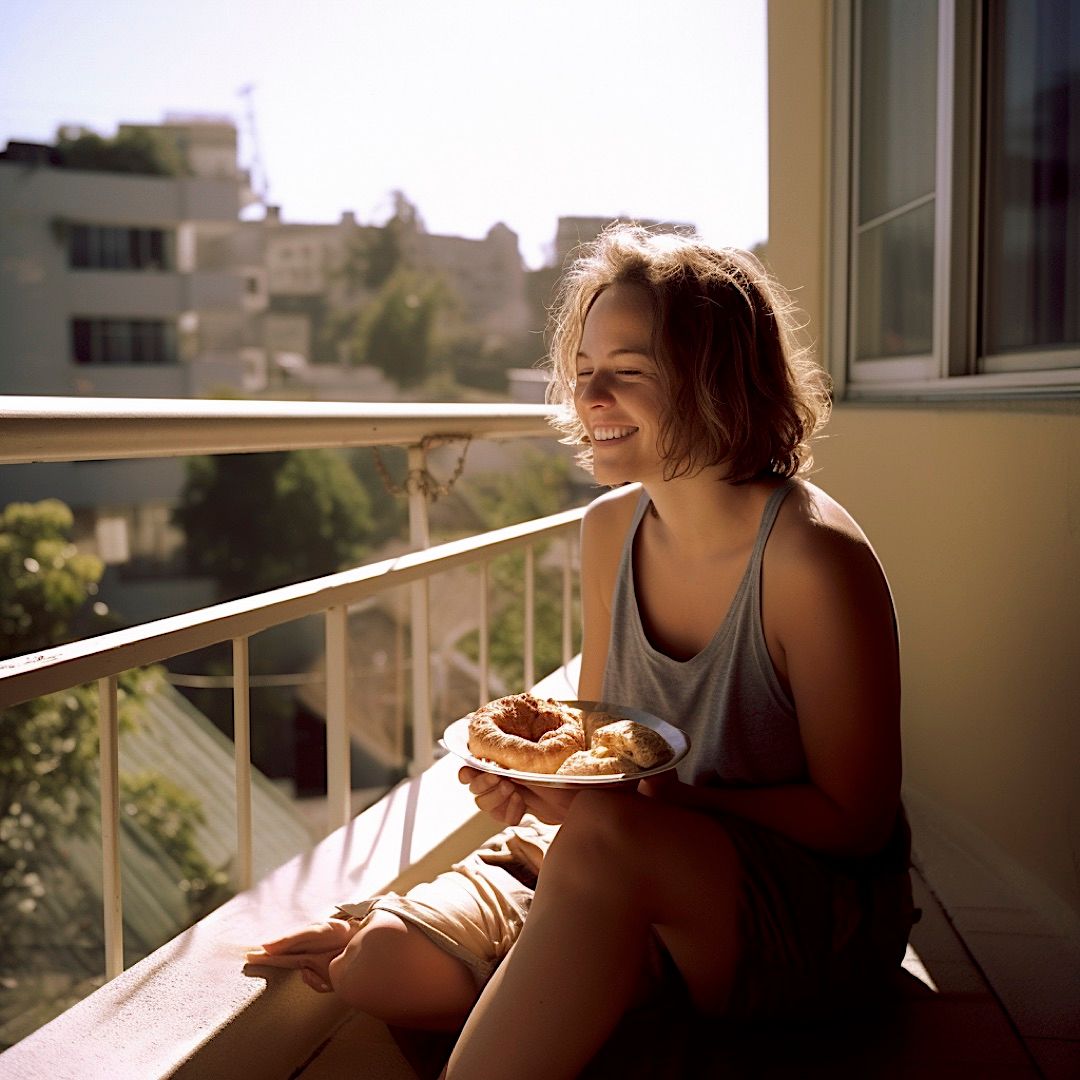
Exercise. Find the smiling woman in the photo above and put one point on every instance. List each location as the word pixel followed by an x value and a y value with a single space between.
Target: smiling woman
pixel 767 872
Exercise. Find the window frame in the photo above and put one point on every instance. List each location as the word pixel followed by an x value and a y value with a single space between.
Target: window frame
pixel 155 337
pixel 111 248
pixel 953 369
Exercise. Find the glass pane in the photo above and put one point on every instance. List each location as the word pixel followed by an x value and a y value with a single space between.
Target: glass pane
pixel 897 102
pixel 1031 225
pixel 895 286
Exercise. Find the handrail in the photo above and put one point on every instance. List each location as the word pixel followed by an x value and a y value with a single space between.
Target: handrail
pixel 34 674
pixel 35 429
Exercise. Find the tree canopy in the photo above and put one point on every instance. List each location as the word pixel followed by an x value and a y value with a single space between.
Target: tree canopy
pixel 132 150
pixel 49 746
pixel 259 521
pixel 44 579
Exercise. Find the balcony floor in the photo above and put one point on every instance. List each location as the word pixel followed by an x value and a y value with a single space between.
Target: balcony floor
pixel 946 1022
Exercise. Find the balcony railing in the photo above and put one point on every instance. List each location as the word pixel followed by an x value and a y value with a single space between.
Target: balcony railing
pixel 61 429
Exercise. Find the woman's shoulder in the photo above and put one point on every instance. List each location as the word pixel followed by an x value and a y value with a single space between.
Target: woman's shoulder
pixel 814 532
pixel 811 515
pixel 613 510
pixel 604 529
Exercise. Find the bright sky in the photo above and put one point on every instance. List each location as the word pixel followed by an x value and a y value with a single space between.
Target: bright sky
pixel 480 111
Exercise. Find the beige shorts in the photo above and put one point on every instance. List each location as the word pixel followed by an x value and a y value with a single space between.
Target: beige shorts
pixel 475 911
pixel 814 931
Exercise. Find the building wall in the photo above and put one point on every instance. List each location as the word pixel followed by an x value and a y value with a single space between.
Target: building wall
pixel 974 508
pixel 40 293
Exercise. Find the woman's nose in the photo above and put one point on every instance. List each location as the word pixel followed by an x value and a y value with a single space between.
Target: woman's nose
pixel 596 390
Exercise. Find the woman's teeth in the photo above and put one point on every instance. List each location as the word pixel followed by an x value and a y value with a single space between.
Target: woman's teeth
pixel 603 434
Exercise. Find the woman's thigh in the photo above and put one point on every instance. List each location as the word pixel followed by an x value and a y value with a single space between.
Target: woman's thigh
pixel 676 868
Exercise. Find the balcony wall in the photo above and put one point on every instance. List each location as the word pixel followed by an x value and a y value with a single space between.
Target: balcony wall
pixel 126 294
pixel 974 513
pixel 974 508
pixel 117 198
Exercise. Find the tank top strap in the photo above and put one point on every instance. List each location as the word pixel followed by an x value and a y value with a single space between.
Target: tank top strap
pixel 769 515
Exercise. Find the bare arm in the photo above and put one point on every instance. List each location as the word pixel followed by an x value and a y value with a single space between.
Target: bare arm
pixel 834 624
pixel 603 532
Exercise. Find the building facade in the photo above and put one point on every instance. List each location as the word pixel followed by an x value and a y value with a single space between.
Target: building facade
pixel 103 287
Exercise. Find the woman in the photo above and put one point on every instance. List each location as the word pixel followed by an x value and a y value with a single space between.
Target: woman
pixel 733 599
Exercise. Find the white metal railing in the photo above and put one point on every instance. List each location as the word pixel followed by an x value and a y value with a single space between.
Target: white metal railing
pixel 58 429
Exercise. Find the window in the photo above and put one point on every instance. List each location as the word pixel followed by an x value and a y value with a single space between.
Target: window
pixel 123 341
pixel 1031 212
pixel 109 247
pixel 957 196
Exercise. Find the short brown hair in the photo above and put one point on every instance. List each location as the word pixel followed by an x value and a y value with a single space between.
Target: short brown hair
pixel 740 389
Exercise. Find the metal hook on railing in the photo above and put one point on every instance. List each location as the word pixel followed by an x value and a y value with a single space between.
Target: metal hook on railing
pixel 422 480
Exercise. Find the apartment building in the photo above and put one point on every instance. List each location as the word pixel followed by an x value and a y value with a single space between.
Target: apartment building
pixel 110 286
pixel 102 288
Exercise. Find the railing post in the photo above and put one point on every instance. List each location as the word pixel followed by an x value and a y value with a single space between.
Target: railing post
pixel 242 753
pixel 419 538
pixel 485 633
pixel 338 771
pixel 568 601
pixel 530 616
pixel 111 887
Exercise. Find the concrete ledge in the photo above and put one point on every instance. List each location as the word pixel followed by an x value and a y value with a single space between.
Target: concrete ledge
pixel 192 1009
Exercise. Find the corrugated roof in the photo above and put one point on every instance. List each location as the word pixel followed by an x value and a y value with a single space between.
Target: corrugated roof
pixel 172 738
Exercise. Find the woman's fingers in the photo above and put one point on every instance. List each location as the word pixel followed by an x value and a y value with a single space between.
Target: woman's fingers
pixel 280 960
pixel 495 795
pixel 315 981
pixel 313 967
pixel 329 935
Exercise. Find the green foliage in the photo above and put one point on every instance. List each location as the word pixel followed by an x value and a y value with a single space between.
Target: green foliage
pixel 259 521
pixel 396 333
pixel 48 776
pixel 389 511
pixel 49 746
pixel 394 307
pixel 541 485
pixel 44 579
pixel 133 150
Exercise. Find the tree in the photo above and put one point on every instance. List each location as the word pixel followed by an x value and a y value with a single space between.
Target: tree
pixel 49 746
pixel 397 332
pixel 133 150
pixel 392 308
pixel 44 579
pixel 259 521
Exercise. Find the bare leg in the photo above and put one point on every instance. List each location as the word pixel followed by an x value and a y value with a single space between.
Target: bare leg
pixel 621 865
pixel 394 971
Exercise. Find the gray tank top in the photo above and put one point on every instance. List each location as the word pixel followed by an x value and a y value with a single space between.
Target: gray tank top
pixel 728 699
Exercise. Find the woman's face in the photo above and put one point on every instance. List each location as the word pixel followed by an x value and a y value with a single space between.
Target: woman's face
pixel 618 393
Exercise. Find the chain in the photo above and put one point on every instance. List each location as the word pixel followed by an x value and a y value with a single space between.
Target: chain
pixel 421 479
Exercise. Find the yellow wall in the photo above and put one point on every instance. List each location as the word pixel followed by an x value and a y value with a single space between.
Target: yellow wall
pixel 975 511
pixel 976 516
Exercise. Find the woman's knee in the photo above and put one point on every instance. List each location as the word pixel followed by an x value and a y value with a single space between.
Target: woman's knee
pixel 395 972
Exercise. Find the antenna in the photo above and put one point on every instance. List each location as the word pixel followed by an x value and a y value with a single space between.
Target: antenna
pixel 260 183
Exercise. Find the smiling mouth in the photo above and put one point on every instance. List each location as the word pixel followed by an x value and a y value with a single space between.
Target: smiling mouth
pixel 611 434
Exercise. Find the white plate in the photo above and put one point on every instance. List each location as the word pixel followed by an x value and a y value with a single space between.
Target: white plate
pixel 456 740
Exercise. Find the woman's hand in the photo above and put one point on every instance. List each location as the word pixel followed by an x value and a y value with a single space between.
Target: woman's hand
pixel 507 801
pixel 309 950
pixel 665 786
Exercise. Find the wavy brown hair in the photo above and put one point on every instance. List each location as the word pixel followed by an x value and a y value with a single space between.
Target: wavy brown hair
pixel 740 390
